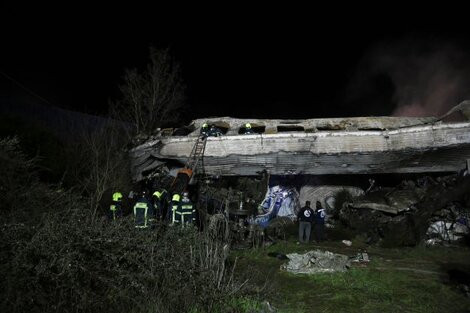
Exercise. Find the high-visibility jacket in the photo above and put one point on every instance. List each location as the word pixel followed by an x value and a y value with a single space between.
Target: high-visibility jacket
pixel 174 206
pixel 159 201
pixel 141 213
pixel 115 209
pixel 159 193
pixel 185 212
pixel 205 130
pixel 117 196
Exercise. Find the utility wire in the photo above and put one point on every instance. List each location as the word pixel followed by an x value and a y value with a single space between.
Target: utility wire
pixel 25 88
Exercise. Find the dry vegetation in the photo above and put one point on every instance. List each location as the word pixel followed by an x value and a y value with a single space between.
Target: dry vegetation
pixel 58 256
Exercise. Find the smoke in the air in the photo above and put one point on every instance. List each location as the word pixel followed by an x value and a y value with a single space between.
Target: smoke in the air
pixel 429 77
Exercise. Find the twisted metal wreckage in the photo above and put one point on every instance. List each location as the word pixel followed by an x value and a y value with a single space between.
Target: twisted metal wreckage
pixel 356 145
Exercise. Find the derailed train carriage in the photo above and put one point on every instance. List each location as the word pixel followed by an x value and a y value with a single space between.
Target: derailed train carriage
pixel 340 146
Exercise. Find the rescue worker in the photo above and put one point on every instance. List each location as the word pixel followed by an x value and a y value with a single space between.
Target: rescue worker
pixel 175 200
pixel 115 209
pixel 205 130
pixel 248 129
pixel 185 213
pixel 142 210
pixel 159 201
pixel 305 217
pixel 319 222
pixel 214 131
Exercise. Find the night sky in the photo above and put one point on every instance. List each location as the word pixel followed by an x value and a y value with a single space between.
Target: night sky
pixel 244 62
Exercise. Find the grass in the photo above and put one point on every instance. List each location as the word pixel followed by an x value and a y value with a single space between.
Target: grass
pixel 370 290
pixel 237 305
pixel 396 280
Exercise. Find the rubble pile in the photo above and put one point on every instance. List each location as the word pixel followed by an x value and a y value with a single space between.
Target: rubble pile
pixel 433 210
pixel 236 198
pixel 448 224
pixel 430 209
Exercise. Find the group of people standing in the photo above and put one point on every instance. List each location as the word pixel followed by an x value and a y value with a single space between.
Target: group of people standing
pixel 308 217
pixel 147 210
pixel 179 210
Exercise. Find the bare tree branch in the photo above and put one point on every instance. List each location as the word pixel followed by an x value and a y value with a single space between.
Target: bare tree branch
pixel 153 98
pixel 100 162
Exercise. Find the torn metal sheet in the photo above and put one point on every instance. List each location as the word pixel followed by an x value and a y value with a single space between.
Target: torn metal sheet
pixel 389 200
pixel 447 231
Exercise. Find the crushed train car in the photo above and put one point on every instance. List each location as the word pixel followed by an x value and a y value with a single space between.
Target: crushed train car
pixel 344 146
pixel 356 145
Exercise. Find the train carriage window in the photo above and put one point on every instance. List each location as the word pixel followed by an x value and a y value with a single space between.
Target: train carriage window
pixel 290 128
pixel 257 129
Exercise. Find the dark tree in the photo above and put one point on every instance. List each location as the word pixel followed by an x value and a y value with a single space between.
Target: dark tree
pixel 153 97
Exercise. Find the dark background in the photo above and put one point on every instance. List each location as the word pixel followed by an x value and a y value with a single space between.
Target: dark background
pixel 297 62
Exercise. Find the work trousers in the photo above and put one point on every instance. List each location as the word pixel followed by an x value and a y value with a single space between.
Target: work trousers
pixel 319 232
pixel 304 229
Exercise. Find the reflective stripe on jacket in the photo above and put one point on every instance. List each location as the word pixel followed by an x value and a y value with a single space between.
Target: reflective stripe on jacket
pixel 141 214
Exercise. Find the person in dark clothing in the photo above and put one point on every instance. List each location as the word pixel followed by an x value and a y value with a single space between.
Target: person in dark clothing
pixel 305 217
pixel 160 200
pixel 319 226
pixel 214 131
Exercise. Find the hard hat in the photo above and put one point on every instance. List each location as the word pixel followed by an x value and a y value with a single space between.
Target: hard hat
pixel 176 197
pixel 185 194
pixel 204 125
pixel 247 125
pixel 117 196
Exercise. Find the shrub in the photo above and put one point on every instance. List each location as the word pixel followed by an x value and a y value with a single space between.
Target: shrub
pixel 70 264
